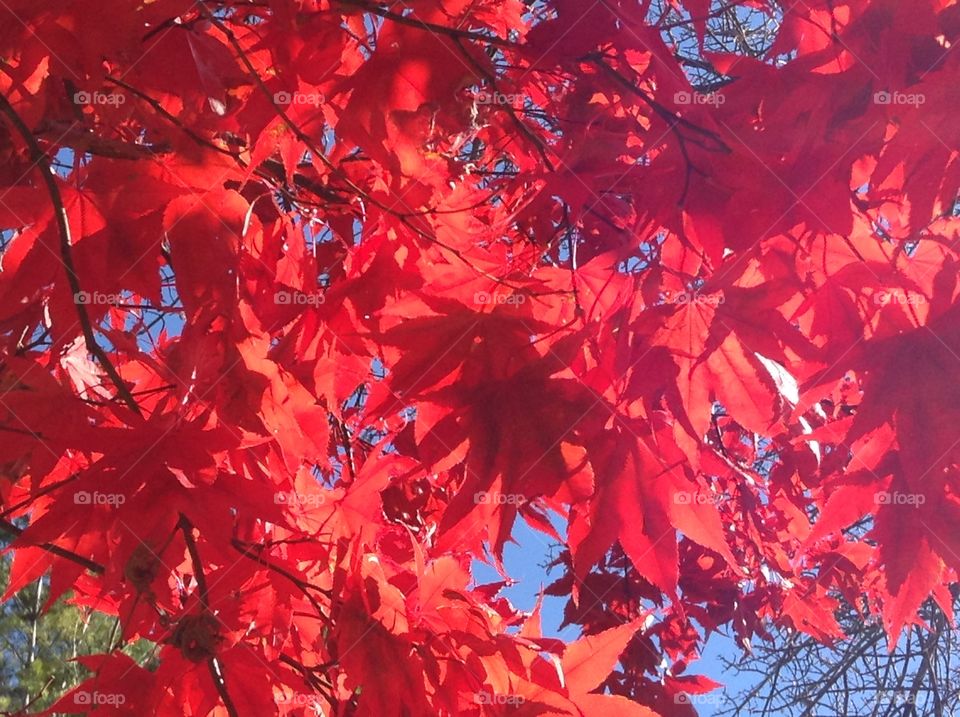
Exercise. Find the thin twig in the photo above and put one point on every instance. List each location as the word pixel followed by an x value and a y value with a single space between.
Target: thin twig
pixel 425 25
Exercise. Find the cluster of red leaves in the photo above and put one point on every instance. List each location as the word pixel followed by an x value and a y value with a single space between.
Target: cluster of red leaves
pixel 304 303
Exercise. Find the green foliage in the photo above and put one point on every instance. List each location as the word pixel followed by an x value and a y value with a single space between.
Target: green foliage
pixel 38 643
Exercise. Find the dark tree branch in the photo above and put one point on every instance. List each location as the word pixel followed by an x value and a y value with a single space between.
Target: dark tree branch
pixel 40 159
pixel 94 567
pixel 215 668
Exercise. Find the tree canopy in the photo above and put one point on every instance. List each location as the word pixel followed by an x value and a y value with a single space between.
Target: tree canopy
pixel 305 304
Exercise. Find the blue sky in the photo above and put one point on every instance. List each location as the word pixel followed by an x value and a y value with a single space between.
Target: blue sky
pixel 523 562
